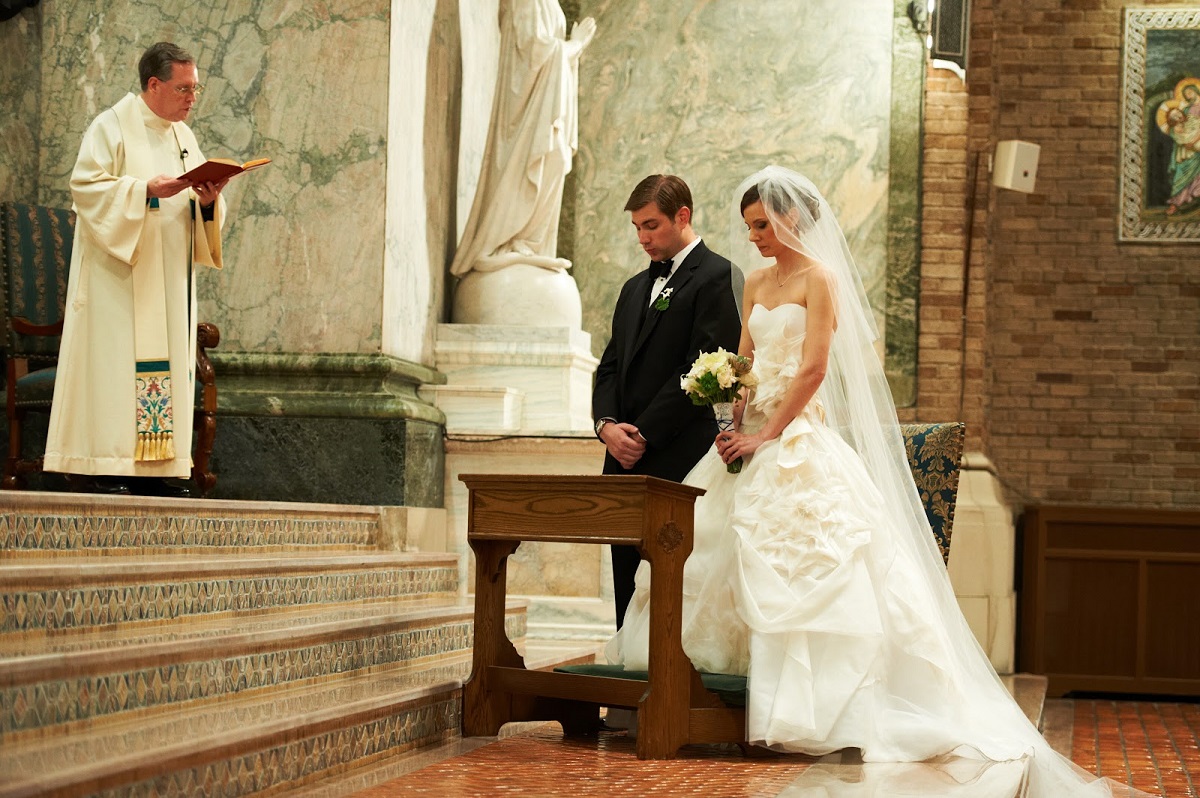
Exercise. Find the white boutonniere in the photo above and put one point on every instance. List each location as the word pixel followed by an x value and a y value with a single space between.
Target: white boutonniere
pixel 664 300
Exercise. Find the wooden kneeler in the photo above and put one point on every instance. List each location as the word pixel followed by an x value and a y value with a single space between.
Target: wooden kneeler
pixel 673 706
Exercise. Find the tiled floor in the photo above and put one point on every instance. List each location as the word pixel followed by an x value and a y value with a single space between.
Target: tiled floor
pixel 1154 747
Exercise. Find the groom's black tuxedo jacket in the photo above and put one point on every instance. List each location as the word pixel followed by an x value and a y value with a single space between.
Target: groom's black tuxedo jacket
pixel 638 378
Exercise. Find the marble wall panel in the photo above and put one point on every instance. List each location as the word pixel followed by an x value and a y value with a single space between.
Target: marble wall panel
pixel 409 276
pixel 20 67
pixel 715 90
pixel 442 73
pixel 904 207
pixel 480 56
pixel 302 83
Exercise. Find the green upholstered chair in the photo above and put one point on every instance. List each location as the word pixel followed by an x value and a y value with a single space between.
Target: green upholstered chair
pixel 36 246
pixel 934 455
pixel 35 258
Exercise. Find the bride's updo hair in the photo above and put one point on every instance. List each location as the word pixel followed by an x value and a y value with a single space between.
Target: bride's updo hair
pixel 780 203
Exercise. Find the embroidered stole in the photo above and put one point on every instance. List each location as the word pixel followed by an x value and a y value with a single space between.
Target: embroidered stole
pixel 152 373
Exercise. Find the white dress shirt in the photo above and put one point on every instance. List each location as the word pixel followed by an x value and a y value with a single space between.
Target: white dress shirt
pixel 679 257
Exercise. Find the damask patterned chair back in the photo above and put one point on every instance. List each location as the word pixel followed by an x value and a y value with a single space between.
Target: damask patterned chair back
pixel 35 257
pixel 36 248
pixel 935 455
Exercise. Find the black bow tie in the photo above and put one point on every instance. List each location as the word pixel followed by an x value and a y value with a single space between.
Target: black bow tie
pixel 659 268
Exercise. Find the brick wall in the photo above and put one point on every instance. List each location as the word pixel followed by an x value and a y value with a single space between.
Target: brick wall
pixel 1083 372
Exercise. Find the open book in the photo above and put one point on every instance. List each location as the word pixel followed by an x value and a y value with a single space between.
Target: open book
pixel 214 170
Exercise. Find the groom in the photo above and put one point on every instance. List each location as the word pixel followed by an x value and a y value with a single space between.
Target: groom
pixel 684 304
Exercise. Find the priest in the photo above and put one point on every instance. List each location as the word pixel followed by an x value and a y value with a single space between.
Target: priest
pixel 122 415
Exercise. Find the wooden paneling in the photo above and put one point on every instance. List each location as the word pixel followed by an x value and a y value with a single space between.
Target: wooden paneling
pixel 1173 621
pixel 1110 600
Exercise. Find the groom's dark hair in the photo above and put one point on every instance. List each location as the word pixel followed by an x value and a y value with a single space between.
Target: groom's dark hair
pixel 668 192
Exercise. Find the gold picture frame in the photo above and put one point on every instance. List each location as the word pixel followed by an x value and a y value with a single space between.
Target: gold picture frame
pixel 1160 146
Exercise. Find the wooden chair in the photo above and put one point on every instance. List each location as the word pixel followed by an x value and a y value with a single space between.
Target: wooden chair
pixel 676 704
pixel 35 258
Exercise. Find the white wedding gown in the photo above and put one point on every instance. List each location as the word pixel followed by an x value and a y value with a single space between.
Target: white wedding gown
pixel 801 581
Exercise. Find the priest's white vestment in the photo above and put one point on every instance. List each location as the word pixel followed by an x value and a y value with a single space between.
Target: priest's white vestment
pixel 94 418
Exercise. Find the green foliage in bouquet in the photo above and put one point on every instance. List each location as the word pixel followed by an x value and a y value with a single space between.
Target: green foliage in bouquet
pixel 717 377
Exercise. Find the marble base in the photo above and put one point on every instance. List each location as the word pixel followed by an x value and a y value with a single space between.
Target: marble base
pixel 982 560
pixel 550 367
pixel 328 460
pixel 344 429
pixel 568 587
pixel 591 619
pixel 519 294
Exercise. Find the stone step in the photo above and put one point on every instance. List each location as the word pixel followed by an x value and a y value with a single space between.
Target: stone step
pixel 88 524
pixel 54 594
pixel 73 679
pixel 331 736
pixel 1029 691
pixel 250 743
pixel 538 655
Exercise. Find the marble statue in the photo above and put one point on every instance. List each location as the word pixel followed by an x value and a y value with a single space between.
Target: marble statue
pixel 507 261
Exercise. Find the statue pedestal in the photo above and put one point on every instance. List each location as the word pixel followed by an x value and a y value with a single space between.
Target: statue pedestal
pixel 510 379
pixel 519 294
pixel 982 557
pixel 518 400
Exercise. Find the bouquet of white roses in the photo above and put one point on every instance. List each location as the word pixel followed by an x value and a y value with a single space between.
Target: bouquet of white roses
pixel 716 378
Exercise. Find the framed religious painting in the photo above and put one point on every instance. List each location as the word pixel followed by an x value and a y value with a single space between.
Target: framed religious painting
pixel 1160 128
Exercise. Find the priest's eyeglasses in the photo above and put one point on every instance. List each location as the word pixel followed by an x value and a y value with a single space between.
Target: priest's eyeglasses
pixel 195 91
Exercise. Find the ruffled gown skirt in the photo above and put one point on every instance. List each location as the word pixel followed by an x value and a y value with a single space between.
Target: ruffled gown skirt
pixel 801 579
pixel 794 581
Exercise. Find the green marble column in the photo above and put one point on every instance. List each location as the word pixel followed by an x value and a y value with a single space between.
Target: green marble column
pixel 904 208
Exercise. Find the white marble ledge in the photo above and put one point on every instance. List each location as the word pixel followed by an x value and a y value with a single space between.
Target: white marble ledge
pixel 477 407
pixel 558 441
pixel 449 361
pixel 512 333
pixel 487 344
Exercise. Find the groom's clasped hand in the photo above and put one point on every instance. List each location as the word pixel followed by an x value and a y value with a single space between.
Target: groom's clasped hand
pixel 624 442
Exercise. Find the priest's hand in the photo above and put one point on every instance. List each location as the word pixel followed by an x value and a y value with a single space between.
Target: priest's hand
pixel 164 186
pixel 208 192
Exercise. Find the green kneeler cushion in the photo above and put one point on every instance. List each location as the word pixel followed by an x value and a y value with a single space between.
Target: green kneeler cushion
pixel 730 689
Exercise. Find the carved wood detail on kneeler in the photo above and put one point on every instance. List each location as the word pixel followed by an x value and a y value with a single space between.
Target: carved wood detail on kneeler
pixel 656 515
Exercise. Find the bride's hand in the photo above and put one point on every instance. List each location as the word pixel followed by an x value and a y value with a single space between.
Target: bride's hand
pixel 732 445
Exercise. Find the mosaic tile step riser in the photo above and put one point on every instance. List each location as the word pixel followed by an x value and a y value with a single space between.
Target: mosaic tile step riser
pixel 138 533
pixel 65 608
pixel 35 706
pixel 293 764
pixel 242 719
pixel 279 763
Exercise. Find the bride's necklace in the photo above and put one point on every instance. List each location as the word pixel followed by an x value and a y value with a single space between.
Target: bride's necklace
pixel 779 282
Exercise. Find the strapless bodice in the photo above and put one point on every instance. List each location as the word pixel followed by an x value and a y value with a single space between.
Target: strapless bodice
pixel 778 335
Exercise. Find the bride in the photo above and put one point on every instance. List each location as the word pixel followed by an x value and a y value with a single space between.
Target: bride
pixel 814 571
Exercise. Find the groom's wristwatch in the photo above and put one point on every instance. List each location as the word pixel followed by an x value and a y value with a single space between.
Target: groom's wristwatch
pixel 601 422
